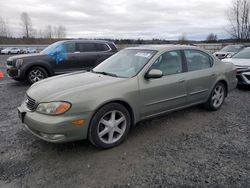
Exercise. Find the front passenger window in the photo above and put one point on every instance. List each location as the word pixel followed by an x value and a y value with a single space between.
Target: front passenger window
pixel 70 47
pixel 169 63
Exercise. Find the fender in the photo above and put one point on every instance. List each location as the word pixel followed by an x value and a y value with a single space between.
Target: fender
pixel 44 64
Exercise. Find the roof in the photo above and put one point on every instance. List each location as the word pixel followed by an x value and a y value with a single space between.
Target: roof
pixel 163 47
pixel 86 40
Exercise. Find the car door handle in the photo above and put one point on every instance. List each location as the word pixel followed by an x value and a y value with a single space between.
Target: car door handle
pixel 181 81
pixel 213 75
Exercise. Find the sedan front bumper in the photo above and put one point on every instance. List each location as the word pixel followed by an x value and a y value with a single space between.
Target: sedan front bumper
pixel 56 129
pixel 243 75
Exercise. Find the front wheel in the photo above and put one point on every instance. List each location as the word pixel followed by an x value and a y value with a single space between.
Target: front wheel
pixel 109 126
pixel 36 74
pixel 217 97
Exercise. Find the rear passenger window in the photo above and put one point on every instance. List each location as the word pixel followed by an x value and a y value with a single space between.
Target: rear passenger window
pixel 102 47
pixel 169 63
pixel 197 60
pixel 69 47
pixel 86 47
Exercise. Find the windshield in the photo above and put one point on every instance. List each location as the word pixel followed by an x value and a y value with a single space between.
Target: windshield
pixel 126 63
pixel 52 48
pixel 232 48
pixel 244 54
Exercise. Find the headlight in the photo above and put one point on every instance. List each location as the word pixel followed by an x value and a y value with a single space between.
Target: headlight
pixel 19 63
pixel 53 108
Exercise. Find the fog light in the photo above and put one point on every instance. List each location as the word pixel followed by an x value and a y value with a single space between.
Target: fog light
pixel 52 136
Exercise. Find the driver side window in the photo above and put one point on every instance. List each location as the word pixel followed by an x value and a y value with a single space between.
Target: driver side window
pixel 169 63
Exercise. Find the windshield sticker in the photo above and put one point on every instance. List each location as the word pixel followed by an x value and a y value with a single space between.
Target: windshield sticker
pixel 143 54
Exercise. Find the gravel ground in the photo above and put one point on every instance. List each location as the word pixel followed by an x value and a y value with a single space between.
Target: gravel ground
pixel 189 148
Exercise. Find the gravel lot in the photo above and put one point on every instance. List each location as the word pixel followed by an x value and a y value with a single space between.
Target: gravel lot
pixel 189 148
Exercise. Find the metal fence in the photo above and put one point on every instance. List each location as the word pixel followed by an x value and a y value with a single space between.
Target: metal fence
pixel 207 46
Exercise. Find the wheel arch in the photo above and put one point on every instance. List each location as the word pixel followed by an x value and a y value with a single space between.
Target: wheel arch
pixel 44 66
pixel 121 102
pixel 224 82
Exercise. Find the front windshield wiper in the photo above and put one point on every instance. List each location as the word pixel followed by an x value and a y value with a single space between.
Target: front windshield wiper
pixel 104 73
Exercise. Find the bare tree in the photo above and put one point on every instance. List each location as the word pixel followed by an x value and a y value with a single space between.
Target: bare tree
pixel 238 16
pixel 59 32
pixel 183 39
pixel 212 37
pixel 48 32
pixel 4 30
pixel 27 25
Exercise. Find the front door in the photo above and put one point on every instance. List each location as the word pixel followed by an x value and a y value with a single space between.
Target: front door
pixel 165 93
pixel 65 58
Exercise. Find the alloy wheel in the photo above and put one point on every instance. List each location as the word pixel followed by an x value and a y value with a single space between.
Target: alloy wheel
pixel 218 96
pixel 111 127
pixel 36 75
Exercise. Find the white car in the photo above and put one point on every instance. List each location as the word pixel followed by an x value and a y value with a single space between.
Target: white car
pixel 242 62
pixel 228 51
pixel 29 50
pixel 11 51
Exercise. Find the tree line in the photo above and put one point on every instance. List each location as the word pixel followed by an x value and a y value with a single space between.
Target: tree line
pixel 28 31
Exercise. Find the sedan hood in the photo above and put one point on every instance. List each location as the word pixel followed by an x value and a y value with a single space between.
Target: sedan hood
pixel 52 88
pixel 238 62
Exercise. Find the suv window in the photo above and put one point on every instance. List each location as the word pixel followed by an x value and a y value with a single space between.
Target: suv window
pixel 102 47
pixel 86 47
pixel 169 63
pixel 70 47
pixel 197 60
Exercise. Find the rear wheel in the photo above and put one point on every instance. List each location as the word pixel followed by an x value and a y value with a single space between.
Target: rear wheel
pixel 109 126
pixel 36 74
pixel 217 97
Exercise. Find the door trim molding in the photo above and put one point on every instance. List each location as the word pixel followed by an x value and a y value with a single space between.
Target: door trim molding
pixel 198 92
pixel 165 100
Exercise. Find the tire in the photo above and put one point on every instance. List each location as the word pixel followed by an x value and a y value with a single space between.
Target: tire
pixel 36 74
pixel 104 132
pixel 217 97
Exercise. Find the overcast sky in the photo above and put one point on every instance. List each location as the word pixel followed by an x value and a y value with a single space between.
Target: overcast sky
pixel 146 19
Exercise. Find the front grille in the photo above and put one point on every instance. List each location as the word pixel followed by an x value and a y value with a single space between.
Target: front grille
pixel 30 103
pixel 221 55
pixel 247 76
pixel 240 79
pixel 10 63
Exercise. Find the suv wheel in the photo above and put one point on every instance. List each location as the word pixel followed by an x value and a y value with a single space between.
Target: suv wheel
pixel 217 97
pixel 109 126
pixel 36 74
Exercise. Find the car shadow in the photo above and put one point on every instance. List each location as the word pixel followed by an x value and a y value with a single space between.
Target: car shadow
pixel 244 87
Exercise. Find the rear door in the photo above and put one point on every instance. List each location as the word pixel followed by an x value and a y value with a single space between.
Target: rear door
pixel 88 55
pixel 200 75
pixel 165 93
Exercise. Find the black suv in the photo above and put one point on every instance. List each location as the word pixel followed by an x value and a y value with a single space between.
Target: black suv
pixel 58 58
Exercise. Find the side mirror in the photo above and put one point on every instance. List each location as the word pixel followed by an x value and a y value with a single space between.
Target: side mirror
pixel 154 73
